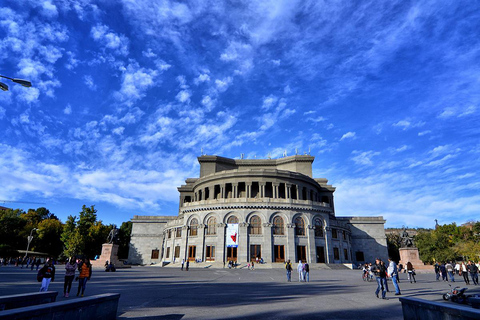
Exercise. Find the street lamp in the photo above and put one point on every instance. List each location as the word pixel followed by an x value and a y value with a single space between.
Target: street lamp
pixel 30 238
pixel 22 82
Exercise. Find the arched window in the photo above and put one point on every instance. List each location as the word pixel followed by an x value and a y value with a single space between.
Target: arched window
pixel 193 227
pixel 255 225
pixel 232 219
pixel 278 227
pixel 299 227
pixel 318 227
pixel 212 225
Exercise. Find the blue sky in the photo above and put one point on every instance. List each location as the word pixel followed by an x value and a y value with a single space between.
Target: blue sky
pixel 126 93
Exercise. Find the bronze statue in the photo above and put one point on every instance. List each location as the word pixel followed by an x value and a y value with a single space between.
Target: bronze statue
pixel 113 235
pixel 407 241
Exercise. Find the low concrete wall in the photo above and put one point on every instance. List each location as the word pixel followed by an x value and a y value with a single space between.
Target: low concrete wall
pixel 102 306
pixel 419 309
pixel 27 299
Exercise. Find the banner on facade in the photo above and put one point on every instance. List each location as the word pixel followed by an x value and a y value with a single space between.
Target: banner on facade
pixel 232 235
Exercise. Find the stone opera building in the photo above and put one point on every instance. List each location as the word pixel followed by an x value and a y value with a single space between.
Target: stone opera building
pixel 249 209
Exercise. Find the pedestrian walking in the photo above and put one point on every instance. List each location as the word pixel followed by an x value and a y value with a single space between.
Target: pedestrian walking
pixel 253 265
pixel 38 263
pixel 306 272
pixel 386 282
pixel 300 271
pixel 443 271
pixel 183 262
pixel 473 270
pixel 392 272
pixel 381 277
pixel 437 271
pixel 288 267
pixel 85 269
pixel 411 272
pixel 450 270
pixel 463 272
pixel 70 268
pixel 187 265
pixel 48 275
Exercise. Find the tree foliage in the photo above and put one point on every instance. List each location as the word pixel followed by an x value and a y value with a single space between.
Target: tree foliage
pixel 85 235
pixel 449 242
pixel 124 239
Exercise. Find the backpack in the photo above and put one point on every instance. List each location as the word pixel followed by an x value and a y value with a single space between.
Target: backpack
pixel 40 275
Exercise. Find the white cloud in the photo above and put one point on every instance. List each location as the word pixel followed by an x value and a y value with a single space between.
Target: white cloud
pixel 348 135
pixel 88 80
pixel 269 102
pixel 222 85
pixel 135 82
pixel 204 77
pixel 408 124
pixel 68 109
pixel 183 96
pixel 364 158
pixel 49 9
pixel 117 43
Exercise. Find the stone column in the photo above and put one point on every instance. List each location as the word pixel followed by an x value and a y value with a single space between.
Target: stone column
pixel 298 195
pixel 328 244
pixel 248 189
pixel 275 190
pixel 311 249
pixel 184 243
pixel 235 190
pixel 267 247
pixel 291 245
pixel 201 246
pixel 220 250
pixel 242 251
pixel 288 193
pixel 222 191
pixel 262 189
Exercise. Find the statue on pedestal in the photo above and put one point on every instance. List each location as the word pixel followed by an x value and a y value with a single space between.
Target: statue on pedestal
pixel 407 241
pixel 113 235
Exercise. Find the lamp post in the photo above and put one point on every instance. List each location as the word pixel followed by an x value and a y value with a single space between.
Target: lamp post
pixel 22 82
pixel 30 238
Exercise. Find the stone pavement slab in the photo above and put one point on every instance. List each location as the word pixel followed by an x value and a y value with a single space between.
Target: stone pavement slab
pixel 167 293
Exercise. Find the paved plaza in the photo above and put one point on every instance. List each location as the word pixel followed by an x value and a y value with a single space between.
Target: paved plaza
pixel 169 293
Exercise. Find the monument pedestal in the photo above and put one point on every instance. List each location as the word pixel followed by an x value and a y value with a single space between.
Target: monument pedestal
pixel 110 254
pixel 411 255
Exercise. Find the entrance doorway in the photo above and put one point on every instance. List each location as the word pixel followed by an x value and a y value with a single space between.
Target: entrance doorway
pixel 210 253
pixel 279 253
pixel 320 255
pixel 255 252
pixel 192 253
pixel 231 254
pixel 301 253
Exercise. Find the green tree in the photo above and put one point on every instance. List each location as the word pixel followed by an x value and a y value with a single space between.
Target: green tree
pixel 11 229
pixel 124 236
pixel 49 237
pixel 393 246
pixel 84 236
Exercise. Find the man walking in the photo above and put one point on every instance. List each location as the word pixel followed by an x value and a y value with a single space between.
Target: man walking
pixel 449 268
pixel 473 270
pixel 380 276
pixel 392 273
pixel 288 266
pixel 437 271
pixel 306 272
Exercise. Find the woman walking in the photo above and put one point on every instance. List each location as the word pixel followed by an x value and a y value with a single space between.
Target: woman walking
pixel 47 274
pixel 411 272
pixel 85 269
pixel 463 272
pixel 70 268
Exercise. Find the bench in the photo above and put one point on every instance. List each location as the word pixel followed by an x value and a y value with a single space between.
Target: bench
pixel 102 306
pixel 27 299
pixel 475 302
pixel 419 309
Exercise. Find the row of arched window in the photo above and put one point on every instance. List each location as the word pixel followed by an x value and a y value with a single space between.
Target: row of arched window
pixel 255 226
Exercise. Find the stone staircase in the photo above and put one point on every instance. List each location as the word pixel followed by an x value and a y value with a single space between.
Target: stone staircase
pixel 279 265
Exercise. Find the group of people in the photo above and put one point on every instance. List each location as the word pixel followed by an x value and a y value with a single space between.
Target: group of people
pixel 382 272
pixel 303 270
pixel 84 267
pixel 22 261
pixel 448 270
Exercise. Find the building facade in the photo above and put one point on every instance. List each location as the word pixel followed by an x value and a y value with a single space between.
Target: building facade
pixel 253 209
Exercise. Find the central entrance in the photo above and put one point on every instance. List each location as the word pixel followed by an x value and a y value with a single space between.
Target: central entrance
pixel 279 253
pixel 192 253
pixel 231 254
pixel 255 252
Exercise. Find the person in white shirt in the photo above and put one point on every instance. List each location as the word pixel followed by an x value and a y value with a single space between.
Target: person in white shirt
pixel 392 272
pixel 300 271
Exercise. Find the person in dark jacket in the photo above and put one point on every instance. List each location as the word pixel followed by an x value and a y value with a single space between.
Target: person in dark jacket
pixel 381 276
pixel 70 268
pixel 48 275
